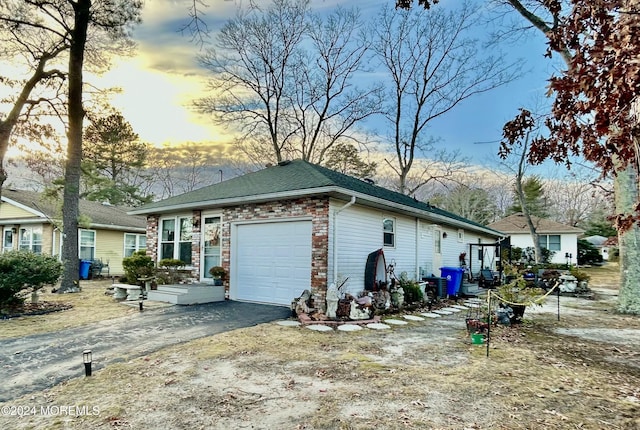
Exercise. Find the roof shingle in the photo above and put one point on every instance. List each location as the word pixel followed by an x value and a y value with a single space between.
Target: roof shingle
pixel 99 214
pixel 517 223
pixel 288 178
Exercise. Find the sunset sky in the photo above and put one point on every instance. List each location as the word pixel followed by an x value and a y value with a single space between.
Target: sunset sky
pixel 160 82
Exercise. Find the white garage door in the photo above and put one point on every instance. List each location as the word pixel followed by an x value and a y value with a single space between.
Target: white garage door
pixel 273 261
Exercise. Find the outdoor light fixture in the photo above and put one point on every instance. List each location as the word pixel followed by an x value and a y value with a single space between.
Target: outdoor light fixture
pixel 568 256
pixel 86 358
pixel 444 235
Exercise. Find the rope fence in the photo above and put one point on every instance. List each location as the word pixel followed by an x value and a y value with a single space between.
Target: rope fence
pixel 537 301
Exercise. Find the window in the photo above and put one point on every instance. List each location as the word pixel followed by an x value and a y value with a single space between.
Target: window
pixel 134 242
pixel 31 239
pixel 7 240
pixel 87 239
pixel 175 240
pixel 389 232
pixel 550 241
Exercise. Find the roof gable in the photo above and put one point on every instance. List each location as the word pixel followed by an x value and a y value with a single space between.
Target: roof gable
pixel 517 224
pixel 293 179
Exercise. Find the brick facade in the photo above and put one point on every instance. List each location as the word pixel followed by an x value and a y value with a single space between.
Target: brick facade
pixel 316 208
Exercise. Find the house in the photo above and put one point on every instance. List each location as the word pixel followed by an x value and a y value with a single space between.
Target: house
pixel 601 243
pixel 297 226
pixel 31 222
pixel 559 238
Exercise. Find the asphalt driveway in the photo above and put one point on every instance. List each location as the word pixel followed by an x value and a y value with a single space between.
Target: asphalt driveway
pixel 33 363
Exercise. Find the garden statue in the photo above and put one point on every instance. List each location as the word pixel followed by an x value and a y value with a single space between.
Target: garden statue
pixel 332 301
pixel 397 295
pixel 357 313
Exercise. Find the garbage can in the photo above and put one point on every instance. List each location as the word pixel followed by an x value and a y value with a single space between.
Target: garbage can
pixel 454 279
pixel 85 265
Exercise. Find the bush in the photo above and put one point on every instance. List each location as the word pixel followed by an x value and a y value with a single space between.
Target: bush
pixel 412 291
pixel 587 253
pixel 168 271
pixel 20 270
pixel 139 265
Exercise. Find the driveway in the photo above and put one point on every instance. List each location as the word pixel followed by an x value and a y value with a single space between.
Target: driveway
pixel 33 363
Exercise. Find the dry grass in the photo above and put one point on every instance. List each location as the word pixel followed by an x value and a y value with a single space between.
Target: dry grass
pixel 425 375
pixel 89 305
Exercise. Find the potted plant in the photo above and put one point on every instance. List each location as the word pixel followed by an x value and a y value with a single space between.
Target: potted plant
pixel 219 274
pixel 518 293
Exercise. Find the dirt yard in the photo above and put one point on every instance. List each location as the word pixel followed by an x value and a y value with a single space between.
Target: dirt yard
pixel 582 372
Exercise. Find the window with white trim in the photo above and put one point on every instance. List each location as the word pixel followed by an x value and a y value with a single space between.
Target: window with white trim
pixel 175 238
pixel 550 241
pixel 87 244
pixel 133 243
pixel 389 232
pixel 30 239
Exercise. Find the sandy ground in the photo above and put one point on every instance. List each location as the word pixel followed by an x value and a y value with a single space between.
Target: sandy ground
pixel 581 372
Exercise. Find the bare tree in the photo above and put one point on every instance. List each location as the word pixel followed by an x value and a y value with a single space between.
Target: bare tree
pixel 284 79
pixel 516 162
pixel 29 50
pixel 179 169
pixel 433 65
pixel 65 25
pixel 576 196
pixel 469 201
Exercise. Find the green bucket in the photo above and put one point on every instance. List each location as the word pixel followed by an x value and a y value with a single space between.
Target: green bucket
pixel 477 338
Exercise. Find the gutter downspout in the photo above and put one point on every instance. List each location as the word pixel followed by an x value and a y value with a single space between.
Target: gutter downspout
pixel 335 237
pixel 417 256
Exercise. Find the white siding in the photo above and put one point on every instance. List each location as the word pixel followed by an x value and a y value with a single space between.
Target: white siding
pixel 358 232
pixel 568 244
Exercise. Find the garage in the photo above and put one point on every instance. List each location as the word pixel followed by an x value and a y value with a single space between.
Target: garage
pixel 271 262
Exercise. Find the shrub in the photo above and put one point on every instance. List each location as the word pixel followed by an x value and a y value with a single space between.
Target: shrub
pixel 580 275
pixel 587 253
pixel 139 265
pixel 412 291
pixel 20 270
pixel 168 271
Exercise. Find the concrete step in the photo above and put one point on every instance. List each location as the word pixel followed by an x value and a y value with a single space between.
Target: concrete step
pixel 187 294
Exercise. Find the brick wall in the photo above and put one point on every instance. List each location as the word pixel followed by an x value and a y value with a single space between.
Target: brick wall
pixel 315 207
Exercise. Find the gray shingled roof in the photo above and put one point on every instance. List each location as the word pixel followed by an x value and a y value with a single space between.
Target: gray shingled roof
pixel 105 216
pixel 290 179
pixel 517 223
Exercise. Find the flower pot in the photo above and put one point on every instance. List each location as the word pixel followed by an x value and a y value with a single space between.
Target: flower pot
pixel 477 338
pixel 518 313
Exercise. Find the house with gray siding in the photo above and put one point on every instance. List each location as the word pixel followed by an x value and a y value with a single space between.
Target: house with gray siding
pixel 297 226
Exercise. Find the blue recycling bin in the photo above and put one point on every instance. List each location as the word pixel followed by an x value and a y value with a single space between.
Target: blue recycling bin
pixel 85 265
pixel 454 279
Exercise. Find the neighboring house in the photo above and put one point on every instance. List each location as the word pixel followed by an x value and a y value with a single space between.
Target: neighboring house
pixel 561 239
pixel 30 222
pixel 601 243
pixel 297 226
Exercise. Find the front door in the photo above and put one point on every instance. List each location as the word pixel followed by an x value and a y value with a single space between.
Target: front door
pixel 437 251
pixel 210 245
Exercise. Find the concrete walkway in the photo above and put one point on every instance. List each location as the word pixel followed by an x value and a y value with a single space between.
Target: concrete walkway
pixel 37 362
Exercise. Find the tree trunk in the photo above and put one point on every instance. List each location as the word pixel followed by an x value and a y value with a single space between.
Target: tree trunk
pixel 523 202
pixel 70 206
pixel 626 194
